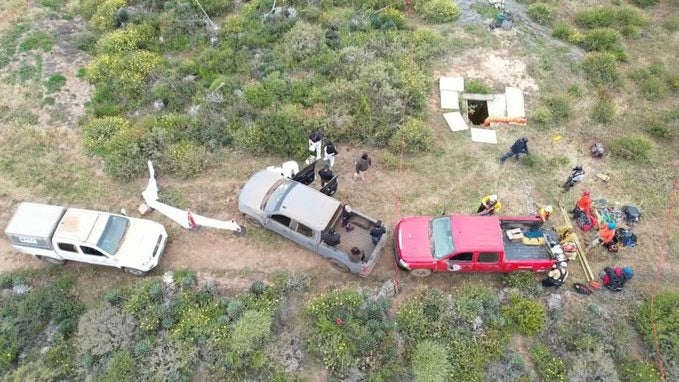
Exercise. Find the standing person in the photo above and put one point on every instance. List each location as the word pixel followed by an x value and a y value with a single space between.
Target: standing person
pixel 330 151
pixel 362 165
pixel 519 147
pixel 377 231
pixel 325 174
pixel 315 143
pixel 347 214
pixel 489 205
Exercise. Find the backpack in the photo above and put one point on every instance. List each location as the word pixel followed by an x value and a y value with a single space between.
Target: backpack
pixel 584 222
pixel 632 214
pixel 612 280
pixel 597 149
pixel 582 289
pixel 625 237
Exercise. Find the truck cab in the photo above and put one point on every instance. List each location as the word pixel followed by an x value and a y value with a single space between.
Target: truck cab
pixel 301 214
pixel 58 234
pixel 461 243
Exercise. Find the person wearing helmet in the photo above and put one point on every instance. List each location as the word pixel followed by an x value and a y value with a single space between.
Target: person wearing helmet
pixel 557 276
pixel 584 204
pixel 607 234
pixel 545 212
pixel 489 205
pixel 519 147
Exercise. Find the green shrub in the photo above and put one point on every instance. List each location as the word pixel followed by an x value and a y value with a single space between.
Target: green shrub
pixel 388 19
pixel 671 24
pixel 104 15
pixel 437 11
pixel 37 40
pixel 548 366
pixel 543 115
pixel 601 69
pixel 653 89
pixel 120 368
pixel 185 278
pixel 603 111
pixel 185 159
pixel 603 39
pixel 521 280
pixel 55 82
pixel 541 13
pixel 129 39
pixel 476 300
pixel 635 370
pixel 560 107
pixel 105 330
pixel 563 30
pixel 477 87
pixel 645 3
pixel 430 362
pixel 303 40
pixel 98 132
pixel 663 315
pixel 610 17
pixel 216 7
pixel 523 315
pixel 414 136
pixel 250 331
pixel 128 71
pixel 634 147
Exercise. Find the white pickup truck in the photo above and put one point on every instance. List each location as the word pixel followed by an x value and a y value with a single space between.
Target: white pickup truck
pixel 56 234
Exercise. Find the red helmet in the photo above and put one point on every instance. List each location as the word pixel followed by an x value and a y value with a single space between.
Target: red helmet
pixel 586 193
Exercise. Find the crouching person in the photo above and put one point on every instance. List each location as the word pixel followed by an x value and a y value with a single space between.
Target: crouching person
pixel 557 276
pixel 615 278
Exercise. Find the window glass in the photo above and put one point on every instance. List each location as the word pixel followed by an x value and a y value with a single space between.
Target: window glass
pixel 441 237
pixel 467 256
pixel 90 251
pixel 281 219
pixel 304 230
pixel 67 247
pixel 113 234
pixel 488 257
pixel 276 196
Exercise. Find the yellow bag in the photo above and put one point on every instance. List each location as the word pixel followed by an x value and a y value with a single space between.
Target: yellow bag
pixel 533 241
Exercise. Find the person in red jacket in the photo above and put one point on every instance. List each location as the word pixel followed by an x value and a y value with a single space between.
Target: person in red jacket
pixel 585 202
pixel 607 234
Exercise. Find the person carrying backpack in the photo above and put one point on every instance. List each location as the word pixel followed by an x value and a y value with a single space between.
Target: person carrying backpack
pixel 616 277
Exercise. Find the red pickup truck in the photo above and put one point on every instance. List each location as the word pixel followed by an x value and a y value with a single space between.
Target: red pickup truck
pixel 461 243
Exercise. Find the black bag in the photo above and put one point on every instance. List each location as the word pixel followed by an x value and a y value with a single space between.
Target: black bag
pixel 632 213
pixel 582 289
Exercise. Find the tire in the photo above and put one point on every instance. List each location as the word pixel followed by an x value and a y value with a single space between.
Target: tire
pixel 52 260
pixel 421 272
pixel 241 232
pixel 252 221
pixel 134 272
pixel 339 266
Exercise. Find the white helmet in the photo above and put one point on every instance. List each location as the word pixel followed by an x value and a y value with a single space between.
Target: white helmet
pixel 563 264
pixel 548 208
pixel 493 198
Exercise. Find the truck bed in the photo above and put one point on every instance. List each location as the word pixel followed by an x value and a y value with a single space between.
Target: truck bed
pixel 516 250
pixel 358 237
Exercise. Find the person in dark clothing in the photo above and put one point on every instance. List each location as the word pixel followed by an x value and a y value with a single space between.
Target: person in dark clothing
pixel 315 143
pixel 557 276
pixel 330 237
pixel 347 214
pixel 362 165
pixel 377 231
pixel 519 147
pixel 325 174
pixel 330 151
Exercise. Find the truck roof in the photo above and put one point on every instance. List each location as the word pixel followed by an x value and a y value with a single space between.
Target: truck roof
pixel 81 225
pixel 309 206
pixel 35 219
pixel 476 233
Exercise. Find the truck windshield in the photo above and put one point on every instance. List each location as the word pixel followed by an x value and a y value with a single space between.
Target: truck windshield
pixel 441 237
pixel 115 229
pixel 276 196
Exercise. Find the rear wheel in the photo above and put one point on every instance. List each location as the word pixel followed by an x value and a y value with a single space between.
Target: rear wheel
pixel 135 272
pixel 252 221
pixel 52 260
pixel 420 272
pixel 339 266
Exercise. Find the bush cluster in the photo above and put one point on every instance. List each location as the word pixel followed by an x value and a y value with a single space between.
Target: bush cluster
pixel 603 111
pixel 524 315
pixel 438 11
pixel 600 69
pixel 633 147
pixel 541 13
pixel 664 315
pixel 653 81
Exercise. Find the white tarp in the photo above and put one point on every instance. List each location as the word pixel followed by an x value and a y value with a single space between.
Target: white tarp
pixel 484 135
pixel 450 100
pixel 181 217
pixel 455 84
pixel 497 107
pixel 455 121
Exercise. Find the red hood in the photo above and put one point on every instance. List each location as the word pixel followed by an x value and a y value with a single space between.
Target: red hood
pixel 412 238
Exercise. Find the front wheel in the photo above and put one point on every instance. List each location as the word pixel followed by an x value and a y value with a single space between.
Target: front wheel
pixel 252 221
pixel 240 232
pixel 421 272
pixel 134 272
pixel 52 260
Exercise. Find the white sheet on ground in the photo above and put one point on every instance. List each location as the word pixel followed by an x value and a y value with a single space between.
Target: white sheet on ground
pixel 450 100
pixel 515 103
pixel 452 83
pixel 484 135
pixel 498 106
pixel 181 217
pixel 455 121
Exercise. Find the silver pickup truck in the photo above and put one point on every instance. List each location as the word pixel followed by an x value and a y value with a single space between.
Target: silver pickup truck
pixel 301 213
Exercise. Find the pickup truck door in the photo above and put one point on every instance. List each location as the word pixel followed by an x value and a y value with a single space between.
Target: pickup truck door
pixel 486 262
pixel 292 230
pixel 458 262
pixel 83 253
